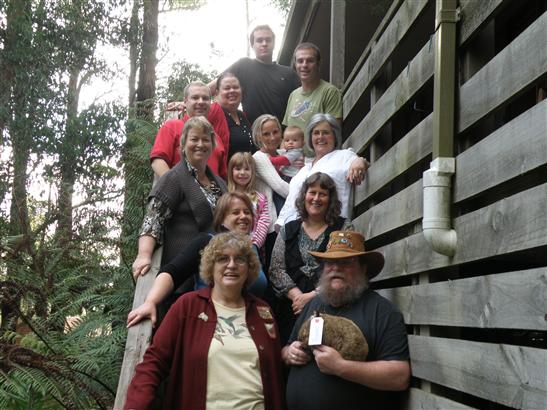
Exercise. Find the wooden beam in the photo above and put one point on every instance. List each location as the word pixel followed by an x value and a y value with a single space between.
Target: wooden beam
pixel 512 150
pixel 138 336
pixel 382 50
pixel 513 300
pixel 373 40
pixel 412 148
pixel 421 400
pixel 505 76
pixel 514 376
pixel 516 148
pixel 474 15
pixel 400 209
pixel 337 42
pixel 307 23
pixel 513 224
pixel 403 88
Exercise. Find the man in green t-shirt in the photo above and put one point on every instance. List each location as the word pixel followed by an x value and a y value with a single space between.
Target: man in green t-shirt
pixel 315 95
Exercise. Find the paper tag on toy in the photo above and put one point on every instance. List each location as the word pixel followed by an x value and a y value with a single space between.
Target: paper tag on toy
pixel 316 331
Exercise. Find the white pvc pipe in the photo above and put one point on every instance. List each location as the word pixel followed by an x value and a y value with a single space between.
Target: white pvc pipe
pixel 436 222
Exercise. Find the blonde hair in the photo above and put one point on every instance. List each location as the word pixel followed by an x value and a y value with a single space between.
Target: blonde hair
pixel 259 123
pixel 242 159
pixel 201 123
pixel 240 243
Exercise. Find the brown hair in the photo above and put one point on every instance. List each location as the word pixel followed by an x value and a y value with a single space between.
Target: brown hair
pixel 325 182
pixel 241 159
pixel 307 46
pixel 227 74
pixel 223 207
pixel 260 27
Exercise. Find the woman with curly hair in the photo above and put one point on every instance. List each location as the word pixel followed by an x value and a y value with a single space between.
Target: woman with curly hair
pixel 218 347
pixel 294 273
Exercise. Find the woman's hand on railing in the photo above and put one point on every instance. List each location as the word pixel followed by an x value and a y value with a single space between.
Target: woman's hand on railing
pixel 144 311
pixel 357 170
pixel 141 265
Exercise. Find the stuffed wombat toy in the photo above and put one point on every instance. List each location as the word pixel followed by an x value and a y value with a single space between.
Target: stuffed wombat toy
pixel 339 333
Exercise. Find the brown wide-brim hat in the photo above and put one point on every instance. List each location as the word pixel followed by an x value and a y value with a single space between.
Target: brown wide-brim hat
pixel 349 244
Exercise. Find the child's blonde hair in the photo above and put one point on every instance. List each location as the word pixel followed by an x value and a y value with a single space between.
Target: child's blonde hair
pixel 241 159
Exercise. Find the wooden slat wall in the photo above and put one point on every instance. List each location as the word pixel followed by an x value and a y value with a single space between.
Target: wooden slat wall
pixel 419 399
pixel 400 209
pixel 513 224
pixel 518 147
pixel 498 226
pixel 405 86
pixel 514 68
pixel 474 14
pixel 513 300
pixel 412 148
pixel 407 13
pixel 514 376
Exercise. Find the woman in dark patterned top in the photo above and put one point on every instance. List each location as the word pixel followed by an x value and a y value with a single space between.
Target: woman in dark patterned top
pixel 185 197
pixel 293 272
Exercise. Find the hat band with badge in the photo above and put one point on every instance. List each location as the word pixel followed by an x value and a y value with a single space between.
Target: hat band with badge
pixel 349 244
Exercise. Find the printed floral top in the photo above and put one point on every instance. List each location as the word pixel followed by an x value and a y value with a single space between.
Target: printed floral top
pixel 280 279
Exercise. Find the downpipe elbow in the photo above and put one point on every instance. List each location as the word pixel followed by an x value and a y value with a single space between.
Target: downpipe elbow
pixel 436 223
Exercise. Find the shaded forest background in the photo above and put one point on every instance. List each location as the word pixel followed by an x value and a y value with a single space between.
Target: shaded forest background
pixel 66 252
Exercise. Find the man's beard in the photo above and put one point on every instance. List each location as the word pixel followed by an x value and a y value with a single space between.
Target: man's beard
pixel 341 297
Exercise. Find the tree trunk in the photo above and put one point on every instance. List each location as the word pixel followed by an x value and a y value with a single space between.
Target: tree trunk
pixel 146 89
pixel 137 181
pixel 18 20
pixel 67 159
pixel 134 31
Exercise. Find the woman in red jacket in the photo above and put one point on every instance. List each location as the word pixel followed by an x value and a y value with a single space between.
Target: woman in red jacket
pixel 219 346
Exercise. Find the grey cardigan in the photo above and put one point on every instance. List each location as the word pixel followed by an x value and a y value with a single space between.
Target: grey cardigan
pixel 192 214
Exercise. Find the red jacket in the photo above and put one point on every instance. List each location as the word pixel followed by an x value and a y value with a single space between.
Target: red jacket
pixel 180 350
pixel 167 142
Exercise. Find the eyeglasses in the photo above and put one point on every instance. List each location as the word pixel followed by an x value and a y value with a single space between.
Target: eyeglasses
pixel 225 260
pixel 339 262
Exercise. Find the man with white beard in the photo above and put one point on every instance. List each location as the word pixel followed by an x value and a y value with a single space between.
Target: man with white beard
pixel 321 378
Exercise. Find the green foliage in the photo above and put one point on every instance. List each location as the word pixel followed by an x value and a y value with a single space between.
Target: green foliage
pixel 182 73
pixel 184 4
pixel 63 344
pixel 283 5
pixel 43 281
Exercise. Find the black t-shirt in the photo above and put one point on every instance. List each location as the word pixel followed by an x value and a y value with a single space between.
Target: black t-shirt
pixel 385 332
pixel 266 87
pixel 186 263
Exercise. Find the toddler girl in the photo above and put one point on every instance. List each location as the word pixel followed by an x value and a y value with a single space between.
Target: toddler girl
pixel 241 177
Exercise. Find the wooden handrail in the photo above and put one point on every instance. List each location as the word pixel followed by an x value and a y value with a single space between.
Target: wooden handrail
pixel 138 336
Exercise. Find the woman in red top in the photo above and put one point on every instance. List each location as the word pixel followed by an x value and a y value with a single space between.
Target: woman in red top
pixel 219 346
